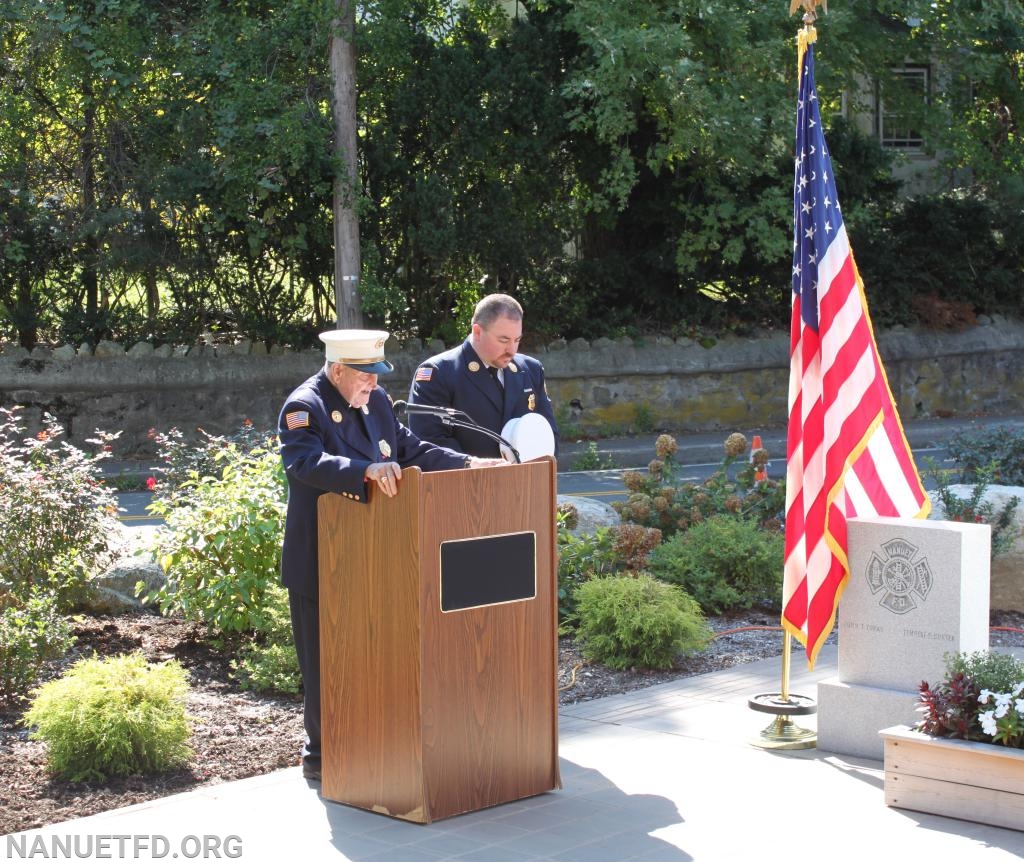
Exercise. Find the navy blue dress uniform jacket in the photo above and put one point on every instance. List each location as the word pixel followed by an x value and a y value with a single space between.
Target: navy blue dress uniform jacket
pixel 326 446
pixel 458 378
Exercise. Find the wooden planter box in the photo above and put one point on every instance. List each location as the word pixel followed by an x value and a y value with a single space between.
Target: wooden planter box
pixel 975 781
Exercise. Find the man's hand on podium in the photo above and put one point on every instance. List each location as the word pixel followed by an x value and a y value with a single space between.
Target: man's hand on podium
pixel 475 462
pixel 386 474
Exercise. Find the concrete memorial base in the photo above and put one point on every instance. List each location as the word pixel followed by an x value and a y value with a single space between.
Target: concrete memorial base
pixel 850 711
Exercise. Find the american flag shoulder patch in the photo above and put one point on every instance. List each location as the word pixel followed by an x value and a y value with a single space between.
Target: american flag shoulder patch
pixel 424 373
pixel 297 419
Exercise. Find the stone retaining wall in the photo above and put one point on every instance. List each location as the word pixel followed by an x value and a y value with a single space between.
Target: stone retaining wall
pixel 600 387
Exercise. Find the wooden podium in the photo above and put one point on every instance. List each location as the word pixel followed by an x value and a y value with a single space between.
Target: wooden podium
pixel 438 642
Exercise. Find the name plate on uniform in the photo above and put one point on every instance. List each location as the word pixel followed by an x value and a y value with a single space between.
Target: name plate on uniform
pixel 489 570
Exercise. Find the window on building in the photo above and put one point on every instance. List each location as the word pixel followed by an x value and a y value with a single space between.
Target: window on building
pixel 897 121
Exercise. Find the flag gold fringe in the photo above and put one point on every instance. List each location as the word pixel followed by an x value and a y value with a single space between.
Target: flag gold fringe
pixel 807 36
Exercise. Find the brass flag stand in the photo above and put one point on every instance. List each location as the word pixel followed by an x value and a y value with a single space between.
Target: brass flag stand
pixel 782 733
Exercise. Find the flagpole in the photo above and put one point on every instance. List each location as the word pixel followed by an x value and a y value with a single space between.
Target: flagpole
pixel 782 733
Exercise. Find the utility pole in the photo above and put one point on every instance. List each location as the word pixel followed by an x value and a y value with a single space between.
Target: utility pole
pixel 347 260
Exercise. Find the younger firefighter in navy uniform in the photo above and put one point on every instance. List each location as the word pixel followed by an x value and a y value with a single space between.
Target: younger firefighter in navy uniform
pixel 486 378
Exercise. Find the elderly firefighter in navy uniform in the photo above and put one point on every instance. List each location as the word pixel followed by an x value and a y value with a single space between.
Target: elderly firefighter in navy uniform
pixel 339 435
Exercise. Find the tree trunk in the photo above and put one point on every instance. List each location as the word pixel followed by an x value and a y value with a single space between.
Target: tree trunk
pixel 90 252
pixel 151 222
pixel 346 185
pixel 26 313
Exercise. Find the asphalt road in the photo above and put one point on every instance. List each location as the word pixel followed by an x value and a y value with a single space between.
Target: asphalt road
pixel 605 485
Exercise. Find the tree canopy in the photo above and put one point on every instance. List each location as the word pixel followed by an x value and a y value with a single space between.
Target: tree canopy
pixel 167 168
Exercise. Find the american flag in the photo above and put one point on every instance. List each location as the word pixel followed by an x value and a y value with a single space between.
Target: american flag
pixel 847 454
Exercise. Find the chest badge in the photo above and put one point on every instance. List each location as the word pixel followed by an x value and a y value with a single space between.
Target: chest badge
pixel 385 448
pixel 336 416
pixel 531 402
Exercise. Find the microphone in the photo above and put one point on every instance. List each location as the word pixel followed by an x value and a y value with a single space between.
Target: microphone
pixel 426 408
pixel 449 416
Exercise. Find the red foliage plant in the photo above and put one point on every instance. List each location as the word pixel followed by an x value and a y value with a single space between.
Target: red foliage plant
pixel 950 709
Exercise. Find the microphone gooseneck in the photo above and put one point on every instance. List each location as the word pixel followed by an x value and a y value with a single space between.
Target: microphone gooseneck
pixel 450 417
pixel 427 408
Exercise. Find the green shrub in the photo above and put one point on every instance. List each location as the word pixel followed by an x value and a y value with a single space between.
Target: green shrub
pixel 980 263
pixel 268 662
pixel 269 667
pixel 182 461
pixel 116 716
pixel 223 505
pixel 725 563
pixel 973 509
pixel 56 515
pixel 591 460
pixel 999 449
pixel 581 558
pixel 31 634
pixel 608 550
pixel 629 622
pixel 643 419
pixel 568 426
pixel 989 670
pixel 221 539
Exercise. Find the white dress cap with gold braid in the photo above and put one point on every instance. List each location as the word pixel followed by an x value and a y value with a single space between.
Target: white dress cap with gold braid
pixel 530 435
pixel 362 349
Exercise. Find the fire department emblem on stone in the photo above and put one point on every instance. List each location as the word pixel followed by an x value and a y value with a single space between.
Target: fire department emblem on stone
pixel 901 578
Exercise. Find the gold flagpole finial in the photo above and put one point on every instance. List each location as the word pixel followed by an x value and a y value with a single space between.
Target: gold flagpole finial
pixel 808 35
pixel 809 6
